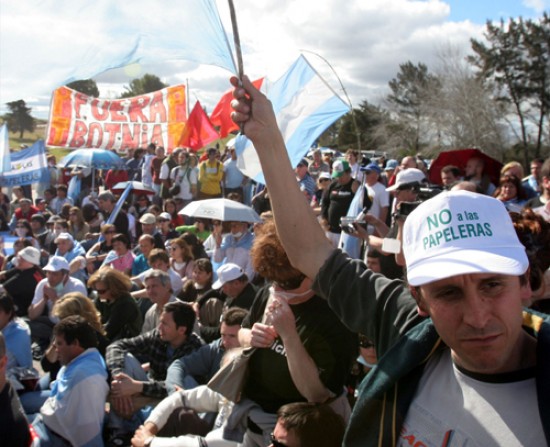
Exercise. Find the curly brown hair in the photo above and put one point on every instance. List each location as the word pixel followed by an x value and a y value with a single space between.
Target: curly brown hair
pixel 534 233
pixel 269 259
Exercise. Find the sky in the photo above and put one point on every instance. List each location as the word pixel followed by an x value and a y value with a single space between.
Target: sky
pixel 363 41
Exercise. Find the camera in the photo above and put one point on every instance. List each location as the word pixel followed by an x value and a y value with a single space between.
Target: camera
pixel 423 193
pixel 347 224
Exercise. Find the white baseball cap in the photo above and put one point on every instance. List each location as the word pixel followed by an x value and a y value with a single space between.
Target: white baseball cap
pixel 406 177
pixel 56 264
pixel 164 216
pixel 458 233
pixel 64 237
pixel 148 218
pixel 30 254
pixel 227 272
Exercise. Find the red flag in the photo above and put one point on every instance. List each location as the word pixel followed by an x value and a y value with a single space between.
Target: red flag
pixel 221 115
pixel 199 131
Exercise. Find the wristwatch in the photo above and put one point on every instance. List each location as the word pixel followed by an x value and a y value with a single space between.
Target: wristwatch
pixel 148 441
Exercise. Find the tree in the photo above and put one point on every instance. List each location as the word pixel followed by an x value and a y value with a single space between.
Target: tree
pixel 516 61
pixel 409 91
pixel 19 118
pixel 86 86
pixel 146 84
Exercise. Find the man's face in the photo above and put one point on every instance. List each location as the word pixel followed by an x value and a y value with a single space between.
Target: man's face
pixel 473 167
pixel 156 292
pixel 233 288
pixel 408 162
pixel 479 317
pixel 535 169
pixel 238 227
pixel 230 337
pixel 160 265
pixel 35 225
pixel 54 278
pixel 447 178
pixel 283 437
pixel 374 264
pixel 301 171
pixel 351 158
pixel 405 195
pixel 148 228
pixel 145 246
pixel 105 205
pixel 168 330
pixel 25 207
pixel 371 177
pixel 65 352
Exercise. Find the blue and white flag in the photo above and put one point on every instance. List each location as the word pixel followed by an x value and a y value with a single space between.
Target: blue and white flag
pixel 305 106
pixel 118 207
pixel 5 158
pixel 28 166
pixel 86 38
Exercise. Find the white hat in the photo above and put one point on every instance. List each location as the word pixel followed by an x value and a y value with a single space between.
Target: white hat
pixel 64 237
pixel 165 215
pixel 458 233
pixel 227 272
pixel 324 175
pixel 30 254
pixel 56 264
pixel 406 177
pixel 148 218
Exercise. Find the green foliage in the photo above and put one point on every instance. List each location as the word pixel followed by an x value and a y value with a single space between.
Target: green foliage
pixel 86 86
pixel 516 61
pixel 19 117
pixel 146 84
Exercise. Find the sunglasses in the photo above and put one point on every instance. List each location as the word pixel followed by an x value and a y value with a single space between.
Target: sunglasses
pixel 275 442
pixel 101 291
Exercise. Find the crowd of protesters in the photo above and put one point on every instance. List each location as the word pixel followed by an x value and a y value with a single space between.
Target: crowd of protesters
pixel 129 312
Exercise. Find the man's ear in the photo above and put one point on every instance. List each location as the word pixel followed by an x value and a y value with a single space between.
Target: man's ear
pixel 420 305
pixel 526 292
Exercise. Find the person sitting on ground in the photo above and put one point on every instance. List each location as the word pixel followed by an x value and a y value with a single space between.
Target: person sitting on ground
pixel 158 259
pixel 149 226
pixel 56 284
pixel 171 208
pixel 200 228
pixel 20 282
pixel 60 199
pixel 120 314
pixel 164 227
pixel 200 366
pixel 82 380
pixel 159 292
pixel 171 340
pixel 73 253
pixel 181 258
pixel 235 247
pixel 200 282
pixel 146 243
pixel 16 334
pixel 120 258
pixel 98 252
pixel 199 252
pixel 78 228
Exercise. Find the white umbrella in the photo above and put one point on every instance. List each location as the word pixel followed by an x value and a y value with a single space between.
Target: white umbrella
pixel 138 188
pixel 221 209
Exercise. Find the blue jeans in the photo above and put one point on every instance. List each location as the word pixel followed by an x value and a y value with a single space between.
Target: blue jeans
pixel 175 375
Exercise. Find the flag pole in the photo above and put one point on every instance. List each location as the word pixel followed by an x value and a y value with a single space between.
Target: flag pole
pixel 237 40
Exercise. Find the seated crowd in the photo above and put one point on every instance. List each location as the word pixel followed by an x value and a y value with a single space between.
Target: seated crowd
pixel 129 313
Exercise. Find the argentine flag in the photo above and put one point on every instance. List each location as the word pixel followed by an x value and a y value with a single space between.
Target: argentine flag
pixel 305 106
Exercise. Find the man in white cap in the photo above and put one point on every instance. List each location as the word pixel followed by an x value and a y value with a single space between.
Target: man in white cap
pixel 406 187
pixel 56 284
pixel 73 253
pixel 149 226
pixel 460 360
pixel 21 281
pixel 233 282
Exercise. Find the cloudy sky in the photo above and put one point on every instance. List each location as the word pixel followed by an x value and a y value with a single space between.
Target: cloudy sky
pixel 364 41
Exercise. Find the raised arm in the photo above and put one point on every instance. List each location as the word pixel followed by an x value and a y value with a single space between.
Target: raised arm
pixel 302 236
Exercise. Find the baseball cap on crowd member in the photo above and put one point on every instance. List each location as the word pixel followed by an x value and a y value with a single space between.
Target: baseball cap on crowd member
pixel 164 216
pixel 324 175
pixel 148 219
pixel 56 264
pixel 391 164
pixel 339 167
pixel 30 254
pixel 372 167
pixel 459 233
pixel 303 162
pixel 227 272
pixel 408 177
pixel 64 237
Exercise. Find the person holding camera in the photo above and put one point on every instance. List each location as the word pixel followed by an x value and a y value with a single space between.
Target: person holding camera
pixel 184 180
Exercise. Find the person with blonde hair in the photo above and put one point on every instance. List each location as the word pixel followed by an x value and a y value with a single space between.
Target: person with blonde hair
pixel 120 314
pixel 78 228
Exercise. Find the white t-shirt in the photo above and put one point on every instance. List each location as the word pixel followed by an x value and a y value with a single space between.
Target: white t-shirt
pixel 185 177
pixel 380 198
pixel 72 285
pixel 451 408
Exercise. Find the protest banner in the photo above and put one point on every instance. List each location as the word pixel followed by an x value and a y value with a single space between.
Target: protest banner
pixel 81 121
pixel 28 166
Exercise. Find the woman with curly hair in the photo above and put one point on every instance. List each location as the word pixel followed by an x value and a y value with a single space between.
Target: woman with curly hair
pixel 534 233
pixel 120 314
pixel 303 351
pixel 78 228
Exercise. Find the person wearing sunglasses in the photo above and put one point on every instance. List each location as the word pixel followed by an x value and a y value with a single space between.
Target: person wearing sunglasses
pixel 120 314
